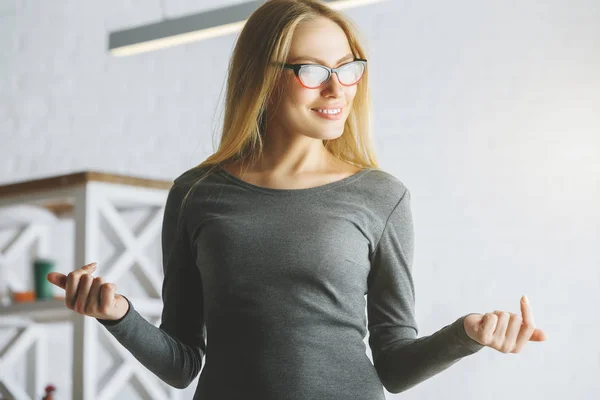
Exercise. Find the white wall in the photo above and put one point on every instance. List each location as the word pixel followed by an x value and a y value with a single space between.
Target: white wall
pixel 488 111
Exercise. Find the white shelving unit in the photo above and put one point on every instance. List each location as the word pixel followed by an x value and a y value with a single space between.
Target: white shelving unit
pixel 94 201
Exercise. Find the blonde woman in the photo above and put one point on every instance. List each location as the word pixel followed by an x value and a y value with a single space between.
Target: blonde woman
pixel 274 246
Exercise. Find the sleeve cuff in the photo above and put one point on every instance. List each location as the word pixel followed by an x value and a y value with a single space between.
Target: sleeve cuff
pixel 462 336
pixel 115 322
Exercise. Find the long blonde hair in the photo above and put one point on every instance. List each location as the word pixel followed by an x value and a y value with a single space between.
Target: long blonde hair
pixel 266 38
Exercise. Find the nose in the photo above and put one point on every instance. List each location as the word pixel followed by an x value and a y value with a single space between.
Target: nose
pixel 333 85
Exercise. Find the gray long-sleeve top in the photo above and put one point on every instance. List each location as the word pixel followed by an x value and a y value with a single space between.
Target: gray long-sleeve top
pixel 265 291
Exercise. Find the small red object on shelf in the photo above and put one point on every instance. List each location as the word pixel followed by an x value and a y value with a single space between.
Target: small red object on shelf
pixel 49 392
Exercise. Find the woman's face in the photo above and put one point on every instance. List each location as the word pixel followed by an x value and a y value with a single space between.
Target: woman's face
pixel 323 42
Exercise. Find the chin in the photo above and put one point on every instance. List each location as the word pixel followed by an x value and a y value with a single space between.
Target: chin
pixel 327 135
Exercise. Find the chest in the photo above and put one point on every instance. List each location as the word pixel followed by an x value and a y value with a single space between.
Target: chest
pixel 283 248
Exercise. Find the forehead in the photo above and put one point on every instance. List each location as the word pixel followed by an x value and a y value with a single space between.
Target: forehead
pixel 320 38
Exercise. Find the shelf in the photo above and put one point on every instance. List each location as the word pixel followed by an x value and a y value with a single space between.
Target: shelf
pixel 54 310
pixel 97 204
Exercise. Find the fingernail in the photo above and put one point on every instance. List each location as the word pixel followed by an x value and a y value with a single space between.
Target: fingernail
pixel 91 265
pixel 525 299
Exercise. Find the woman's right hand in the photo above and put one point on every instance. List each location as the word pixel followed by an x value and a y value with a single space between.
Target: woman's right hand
pixel 88 295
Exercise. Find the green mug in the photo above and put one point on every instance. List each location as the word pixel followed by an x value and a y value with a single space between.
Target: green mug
pixel 43 288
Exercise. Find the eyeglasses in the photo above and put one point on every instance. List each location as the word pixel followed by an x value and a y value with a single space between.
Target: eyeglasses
pixel 313 76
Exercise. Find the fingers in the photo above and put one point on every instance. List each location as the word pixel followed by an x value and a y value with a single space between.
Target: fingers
pixel 522 338
pixel 512 332
pixel 93 299
pixel 528 326
pixel 488 327
pixel 507 328
pixel 502 324
pixel 107 297
pixel 526 311
pixel 73 278
pixel 83 290
pixel 101 296
pixel 501 327
pixel 509 332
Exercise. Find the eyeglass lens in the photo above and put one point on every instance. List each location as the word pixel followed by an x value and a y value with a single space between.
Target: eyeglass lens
pixel 315 75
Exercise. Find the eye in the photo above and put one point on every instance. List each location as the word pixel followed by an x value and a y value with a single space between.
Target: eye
pixel 351 73
pixel 312 75
pixel 312 69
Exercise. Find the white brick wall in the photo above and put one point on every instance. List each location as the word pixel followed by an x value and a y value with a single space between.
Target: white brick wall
pixel 488 111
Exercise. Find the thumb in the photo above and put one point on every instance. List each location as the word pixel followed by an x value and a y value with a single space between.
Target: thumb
pixel 538 336
pixel 57 279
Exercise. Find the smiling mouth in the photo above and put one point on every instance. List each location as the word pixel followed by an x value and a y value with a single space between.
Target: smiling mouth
pixel 341 110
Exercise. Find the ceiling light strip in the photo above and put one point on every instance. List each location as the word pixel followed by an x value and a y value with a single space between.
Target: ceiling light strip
pixel 192 28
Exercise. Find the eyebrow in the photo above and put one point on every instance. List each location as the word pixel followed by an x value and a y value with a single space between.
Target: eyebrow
pixel 350 55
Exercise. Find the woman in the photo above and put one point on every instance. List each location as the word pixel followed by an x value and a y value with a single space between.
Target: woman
pixel 272 243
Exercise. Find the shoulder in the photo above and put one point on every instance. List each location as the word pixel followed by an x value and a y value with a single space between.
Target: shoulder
pixel 378 193
pixel 386 187
pixel 186 183
pixel 190 177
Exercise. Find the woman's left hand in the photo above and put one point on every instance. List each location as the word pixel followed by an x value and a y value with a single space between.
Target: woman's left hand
pixel 504 331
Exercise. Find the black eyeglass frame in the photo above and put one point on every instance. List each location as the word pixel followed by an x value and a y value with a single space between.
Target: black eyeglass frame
pixel 297 67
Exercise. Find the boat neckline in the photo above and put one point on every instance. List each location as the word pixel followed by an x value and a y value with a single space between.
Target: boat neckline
pixel 314 189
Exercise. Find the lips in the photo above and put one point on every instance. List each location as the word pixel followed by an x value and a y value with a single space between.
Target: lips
pixel 328 108
pixel 333 117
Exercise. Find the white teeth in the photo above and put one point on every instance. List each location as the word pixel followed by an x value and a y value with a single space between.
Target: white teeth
pixel 333 111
